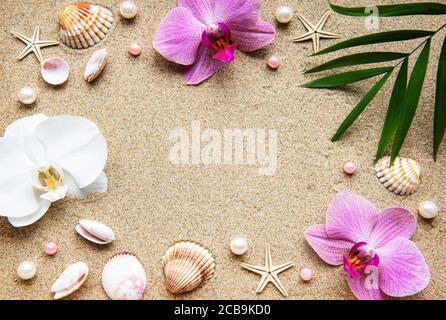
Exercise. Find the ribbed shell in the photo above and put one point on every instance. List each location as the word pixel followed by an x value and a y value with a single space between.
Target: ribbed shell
pixel 124 278
pixel 186 266
pixel 84 25
pixel 403 178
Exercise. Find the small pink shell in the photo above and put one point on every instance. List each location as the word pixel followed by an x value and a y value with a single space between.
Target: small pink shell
pixel 54 70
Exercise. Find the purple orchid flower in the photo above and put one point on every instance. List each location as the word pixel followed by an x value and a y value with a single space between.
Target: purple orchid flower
pixel 365 241
pixel 203 34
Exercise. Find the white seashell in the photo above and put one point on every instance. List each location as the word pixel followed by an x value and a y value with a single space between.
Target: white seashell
pixel 403 178
pixel 124 278
pixel 54 70
pixel 70 280
pixel 95 232
pixel 95 65
pixel 84 25
pixel 186 266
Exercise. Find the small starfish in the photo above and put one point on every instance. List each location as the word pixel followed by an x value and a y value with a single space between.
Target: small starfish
pixel 33 44
pixel 315 33
pixel 269 272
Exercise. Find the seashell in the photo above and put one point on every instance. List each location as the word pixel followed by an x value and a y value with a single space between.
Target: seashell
pixel 124 278
pixel 186 266
pixel 95 232
pixel 95 65
pixel 84 25
pixel 54 70
pixel 402 178
pixel 70 280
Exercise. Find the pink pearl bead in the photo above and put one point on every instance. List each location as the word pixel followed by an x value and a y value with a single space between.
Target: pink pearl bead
pixel 135 49
pixel 306 274
pixel 349 167
pixel 273 62
pixel 50 248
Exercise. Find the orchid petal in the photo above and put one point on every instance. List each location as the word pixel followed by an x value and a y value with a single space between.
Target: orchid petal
pixel 17 198
pixel 56 194
pixel 100 185
pixel 242 12
pixel 178 37
pixel 402 269
pixel 250 37
pixel 203 10
pixel 203 68
pixel 330 250
pixel 358 287
pixel 392 223
pixel 350 217
pixel 76 144
pixel 24 127
pixel 44 205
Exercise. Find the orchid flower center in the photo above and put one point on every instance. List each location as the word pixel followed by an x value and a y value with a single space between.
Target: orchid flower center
pixel 49 178
pixel 218 38
pixel 361 256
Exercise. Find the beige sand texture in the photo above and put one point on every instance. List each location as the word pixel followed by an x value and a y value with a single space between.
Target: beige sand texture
pixel 152 203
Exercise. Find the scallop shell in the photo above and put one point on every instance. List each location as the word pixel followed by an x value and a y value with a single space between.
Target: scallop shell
pixel 402 178
pixel 95 232
pixel 84 25
pixel 124 278
pixel 186 266
pixel 70 280
pixel 95 65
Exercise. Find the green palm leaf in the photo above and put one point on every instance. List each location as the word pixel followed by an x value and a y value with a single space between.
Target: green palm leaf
pixel 411 99
pixel 360 107
pixel 344 78
pixel 393 111
pixel 440 102
pixel 380 37
pixel 358 59
pixel 395 10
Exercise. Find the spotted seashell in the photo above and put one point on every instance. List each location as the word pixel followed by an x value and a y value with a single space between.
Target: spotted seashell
pixel 84 25
pixel 186 266
pixel 402 178
pixel 95 65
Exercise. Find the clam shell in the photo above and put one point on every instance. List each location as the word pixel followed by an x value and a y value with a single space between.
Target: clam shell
pixel 54 70
pixel 95 65
pixel 402 178
pixel 70 280
pixel 124 278
pixel 84 25
pixel 95 232
pixel 186 266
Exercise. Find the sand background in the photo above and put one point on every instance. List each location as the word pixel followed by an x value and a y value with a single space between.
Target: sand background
pixel 151 203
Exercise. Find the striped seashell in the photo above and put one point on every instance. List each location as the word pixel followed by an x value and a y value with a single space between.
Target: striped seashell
pixel 402 178
pixel 186 266
pixel 84 25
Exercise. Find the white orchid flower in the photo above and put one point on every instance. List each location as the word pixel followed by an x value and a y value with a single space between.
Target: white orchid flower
pixel 42 159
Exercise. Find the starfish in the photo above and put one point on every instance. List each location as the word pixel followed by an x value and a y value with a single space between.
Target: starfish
pixel 269 272
pixel 33 44
pixel 315 33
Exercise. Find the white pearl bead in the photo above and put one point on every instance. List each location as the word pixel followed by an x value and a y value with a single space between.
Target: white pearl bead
pixel 428 209
pixel 27 95
pixel 26 270
pixel 284 14
pixel 128 9
pixel 239 246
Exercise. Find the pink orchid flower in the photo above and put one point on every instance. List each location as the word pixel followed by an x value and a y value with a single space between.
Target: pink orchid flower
pixel 203 34
pixel 367 242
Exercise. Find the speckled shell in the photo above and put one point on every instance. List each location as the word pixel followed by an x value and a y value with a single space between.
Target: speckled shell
pixel 124 278
pixel 95 65
pixel 84 25
pixel 403 178
pixel 70 280
pixel 186 266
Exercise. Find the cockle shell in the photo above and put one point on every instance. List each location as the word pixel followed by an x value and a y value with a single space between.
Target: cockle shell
pixel 402 178
pixel 84 25
pixel 70 280
pixel 95 65
pixel 124 278
pixel 186 266
pixel 54 70
pixel 95 232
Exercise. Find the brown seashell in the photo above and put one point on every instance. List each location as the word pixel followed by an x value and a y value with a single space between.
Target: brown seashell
pixel 186 266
